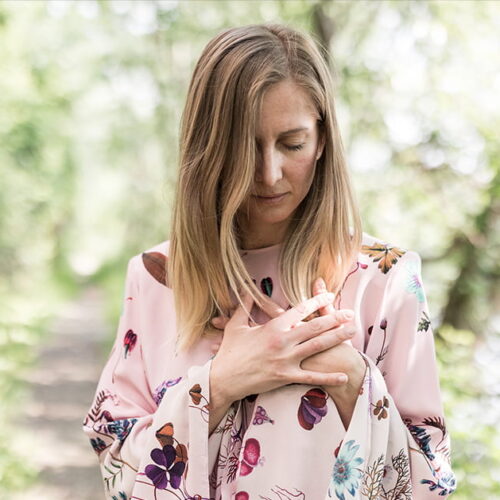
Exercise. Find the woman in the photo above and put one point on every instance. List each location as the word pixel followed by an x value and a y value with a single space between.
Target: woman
pixel 302 399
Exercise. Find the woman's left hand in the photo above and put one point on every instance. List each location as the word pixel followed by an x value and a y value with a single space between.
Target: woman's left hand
pixel 340 358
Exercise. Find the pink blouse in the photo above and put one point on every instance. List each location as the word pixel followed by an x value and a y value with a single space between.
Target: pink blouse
pixel 148 422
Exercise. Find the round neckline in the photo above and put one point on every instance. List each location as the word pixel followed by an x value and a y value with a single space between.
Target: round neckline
pixel 254 251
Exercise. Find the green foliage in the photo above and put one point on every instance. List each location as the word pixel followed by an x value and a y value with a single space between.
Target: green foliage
pixel 91 105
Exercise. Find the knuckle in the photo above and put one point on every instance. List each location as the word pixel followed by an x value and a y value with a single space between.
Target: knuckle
pixel 276 342
pixel 301 308
pixel 349 331
pixel 279 374
pixel 316 345
pixel 315 325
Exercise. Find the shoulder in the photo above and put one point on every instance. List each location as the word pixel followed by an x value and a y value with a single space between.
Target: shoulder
pixel 384 258
pixel 149 265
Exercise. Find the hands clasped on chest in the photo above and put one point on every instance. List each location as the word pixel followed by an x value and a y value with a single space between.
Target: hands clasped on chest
pixel 259 358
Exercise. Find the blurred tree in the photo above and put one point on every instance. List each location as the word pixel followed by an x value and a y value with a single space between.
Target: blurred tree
pixel 90 113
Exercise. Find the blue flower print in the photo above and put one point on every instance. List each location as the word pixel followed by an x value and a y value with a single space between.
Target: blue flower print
pixel 414 281
pixel 446 484
pixel 120 428
pixel 346 474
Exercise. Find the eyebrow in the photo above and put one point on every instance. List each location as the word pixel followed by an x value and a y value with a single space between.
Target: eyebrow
pixel 291 131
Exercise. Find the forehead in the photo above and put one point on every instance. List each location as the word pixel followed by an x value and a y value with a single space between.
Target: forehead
pixel 286 106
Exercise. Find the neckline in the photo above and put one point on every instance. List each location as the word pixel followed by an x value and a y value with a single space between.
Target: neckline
pixel 254 251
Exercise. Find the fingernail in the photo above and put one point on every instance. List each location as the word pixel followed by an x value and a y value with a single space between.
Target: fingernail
pixel 342 378
pixel 347 314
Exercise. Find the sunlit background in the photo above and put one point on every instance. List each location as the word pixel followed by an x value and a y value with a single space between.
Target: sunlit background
pixel 91 94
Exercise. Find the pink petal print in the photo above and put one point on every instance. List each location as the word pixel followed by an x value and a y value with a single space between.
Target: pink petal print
pixel 251 453
pixel 245 469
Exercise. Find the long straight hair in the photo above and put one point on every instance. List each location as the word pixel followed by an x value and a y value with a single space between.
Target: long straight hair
pixel 217 169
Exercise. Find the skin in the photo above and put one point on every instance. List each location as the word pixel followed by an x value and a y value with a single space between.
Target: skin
pixel 340 358
pixel 286 163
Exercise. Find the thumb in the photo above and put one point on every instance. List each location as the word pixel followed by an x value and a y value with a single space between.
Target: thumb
pixel 319 286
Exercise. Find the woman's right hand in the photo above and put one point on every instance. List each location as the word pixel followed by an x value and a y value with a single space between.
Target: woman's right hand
pixel 257 359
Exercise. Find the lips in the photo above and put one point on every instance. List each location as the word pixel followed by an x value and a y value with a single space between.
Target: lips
pixel 270 196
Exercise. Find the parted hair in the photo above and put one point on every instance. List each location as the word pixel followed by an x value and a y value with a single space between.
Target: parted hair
pixel 217 164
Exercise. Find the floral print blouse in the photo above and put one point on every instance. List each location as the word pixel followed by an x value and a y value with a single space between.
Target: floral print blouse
pixel 148 423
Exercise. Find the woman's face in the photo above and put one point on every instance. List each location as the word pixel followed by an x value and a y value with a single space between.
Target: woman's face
pixel 288 145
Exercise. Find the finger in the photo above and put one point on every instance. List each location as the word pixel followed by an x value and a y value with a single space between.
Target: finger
pixel 220 322
pixel 319 286
pixel 242 312
pixel 295 314
pixel 215 348
pixel 318 326
pixel 323 342
pixel 217 322
pixel 318 378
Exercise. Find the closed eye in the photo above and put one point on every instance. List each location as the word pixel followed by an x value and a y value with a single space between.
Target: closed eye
pixel 294 148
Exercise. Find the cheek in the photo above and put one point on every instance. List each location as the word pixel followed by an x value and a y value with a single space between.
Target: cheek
pixel 302 174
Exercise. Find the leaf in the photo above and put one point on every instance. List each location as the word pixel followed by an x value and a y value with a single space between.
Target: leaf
pixel 385 255
pixel 372 479
pixel 437 422
pixel 156 265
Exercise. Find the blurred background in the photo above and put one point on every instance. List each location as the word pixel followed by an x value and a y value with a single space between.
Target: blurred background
pixel 91 94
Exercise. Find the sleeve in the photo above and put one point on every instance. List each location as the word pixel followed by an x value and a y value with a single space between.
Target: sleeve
pixel 148 445
pixel 397 435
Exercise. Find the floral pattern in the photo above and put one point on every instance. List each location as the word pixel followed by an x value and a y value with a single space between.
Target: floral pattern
pixel 165 470
pixel 149 422
pixel 346 471
pixel 261 416
pixel 414 281
pixel 129 342
pixel 312 408
pixel 160 391
pixel 385 255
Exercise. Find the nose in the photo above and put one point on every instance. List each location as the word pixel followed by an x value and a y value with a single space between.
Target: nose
pixel 269 169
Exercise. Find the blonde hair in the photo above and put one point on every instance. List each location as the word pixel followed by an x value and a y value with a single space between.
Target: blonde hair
pixel 217 168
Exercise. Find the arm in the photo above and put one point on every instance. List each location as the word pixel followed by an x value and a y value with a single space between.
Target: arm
pixel 401 348
pixel 346 396
pixel 219 405
pixel 398 390
pixel 142 438
pixel 407 433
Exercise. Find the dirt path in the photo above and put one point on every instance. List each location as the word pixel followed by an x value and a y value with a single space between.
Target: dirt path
pixel 62 386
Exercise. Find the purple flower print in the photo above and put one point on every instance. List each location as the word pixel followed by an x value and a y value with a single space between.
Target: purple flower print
pixel 312 408
pixel 261 416
pixel 169 470
pixel 160 391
